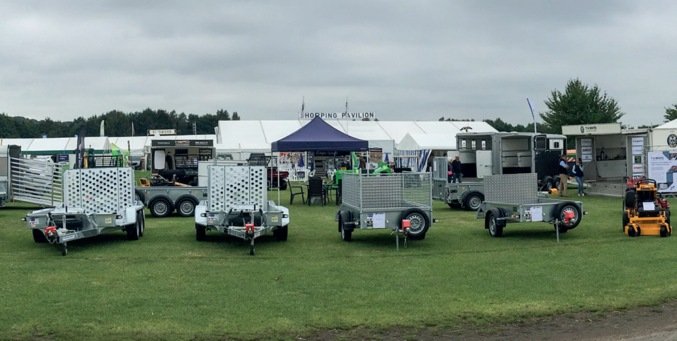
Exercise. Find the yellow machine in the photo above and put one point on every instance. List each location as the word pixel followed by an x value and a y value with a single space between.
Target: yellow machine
pixel 645 212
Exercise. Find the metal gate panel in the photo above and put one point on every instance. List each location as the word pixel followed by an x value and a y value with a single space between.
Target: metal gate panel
pixel 99 190
pixel 387 191
pixel 232 187
pixel 514 188
pixel 36 181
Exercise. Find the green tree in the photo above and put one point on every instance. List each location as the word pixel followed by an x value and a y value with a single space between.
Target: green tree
pixel 671 113
pixel 579 104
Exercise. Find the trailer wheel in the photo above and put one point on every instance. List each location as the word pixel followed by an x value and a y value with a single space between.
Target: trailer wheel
pixel 133 230
pixel 38 236
pixel 161 207
pixel 566 208
pixel 185 206
pixel 346 234
pixel 473 201
pixel 142 219
pixel 200 232
pixel 419 223
pixel 281 233
pixel 492 223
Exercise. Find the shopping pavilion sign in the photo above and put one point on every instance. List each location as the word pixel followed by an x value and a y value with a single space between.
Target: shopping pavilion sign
pixel 339 115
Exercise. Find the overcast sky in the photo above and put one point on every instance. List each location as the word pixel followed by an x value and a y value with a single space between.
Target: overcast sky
pixel 402 60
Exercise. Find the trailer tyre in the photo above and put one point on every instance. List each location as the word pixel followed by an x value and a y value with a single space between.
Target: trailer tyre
pixel 566 208
pixel 39 237
pixel 281 233
pixel 185 206
pixel 133 230
pixel 493 224
pixel 200 232
pixel 142 219
pixel 346 233
pixel 473 201
pixel 161 207
pixel 419 223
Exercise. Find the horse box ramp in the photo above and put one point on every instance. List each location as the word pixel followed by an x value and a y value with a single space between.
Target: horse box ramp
pixel 99 190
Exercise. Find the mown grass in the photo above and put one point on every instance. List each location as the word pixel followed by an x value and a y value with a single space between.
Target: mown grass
pixel 168 286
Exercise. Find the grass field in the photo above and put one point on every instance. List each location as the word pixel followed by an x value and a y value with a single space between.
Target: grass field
pixel 168 286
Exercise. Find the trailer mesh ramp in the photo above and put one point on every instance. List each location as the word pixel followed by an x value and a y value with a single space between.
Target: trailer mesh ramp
pixel 386 191
pixel 236 187
pixel 512 188
pixel 36 181
pixel 99 190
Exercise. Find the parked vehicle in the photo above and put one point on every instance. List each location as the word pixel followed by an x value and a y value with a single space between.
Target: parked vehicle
pixel 237 205
pixel 386 201
pixel 95 200
pixel 645 211
pixel 514 198
pixel 484 154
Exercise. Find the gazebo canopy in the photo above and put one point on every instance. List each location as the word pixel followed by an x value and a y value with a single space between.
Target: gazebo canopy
pixel 318 135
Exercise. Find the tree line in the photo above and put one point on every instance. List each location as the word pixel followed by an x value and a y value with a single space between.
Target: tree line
pixel 117 123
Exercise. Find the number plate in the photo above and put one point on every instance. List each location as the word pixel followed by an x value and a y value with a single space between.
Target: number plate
pixel 67 237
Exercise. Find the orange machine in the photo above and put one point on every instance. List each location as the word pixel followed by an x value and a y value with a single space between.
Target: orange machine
pixel 645 211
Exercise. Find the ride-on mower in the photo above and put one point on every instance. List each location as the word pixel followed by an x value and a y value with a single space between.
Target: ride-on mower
pixel 645 211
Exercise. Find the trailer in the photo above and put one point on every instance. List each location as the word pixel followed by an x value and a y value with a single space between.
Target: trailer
pixel 237 205
pixel 514 198
pixel 401 202
pixel 179 175
pixel 36 181
pixel 94 200
pixel 163 197
pixel 468 195
pixel 484 154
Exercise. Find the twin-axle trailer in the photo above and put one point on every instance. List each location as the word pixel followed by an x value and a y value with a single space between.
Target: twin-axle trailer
pixel 94 200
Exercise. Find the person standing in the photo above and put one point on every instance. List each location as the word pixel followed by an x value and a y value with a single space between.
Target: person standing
pixel 456 170
pixel 577 170
pixel 563 175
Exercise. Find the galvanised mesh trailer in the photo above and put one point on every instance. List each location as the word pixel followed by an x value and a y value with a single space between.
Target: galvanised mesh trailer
pixel 401 202
pixel 468 194
pixel 237 205
pixel 94 200
pixel 515 198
